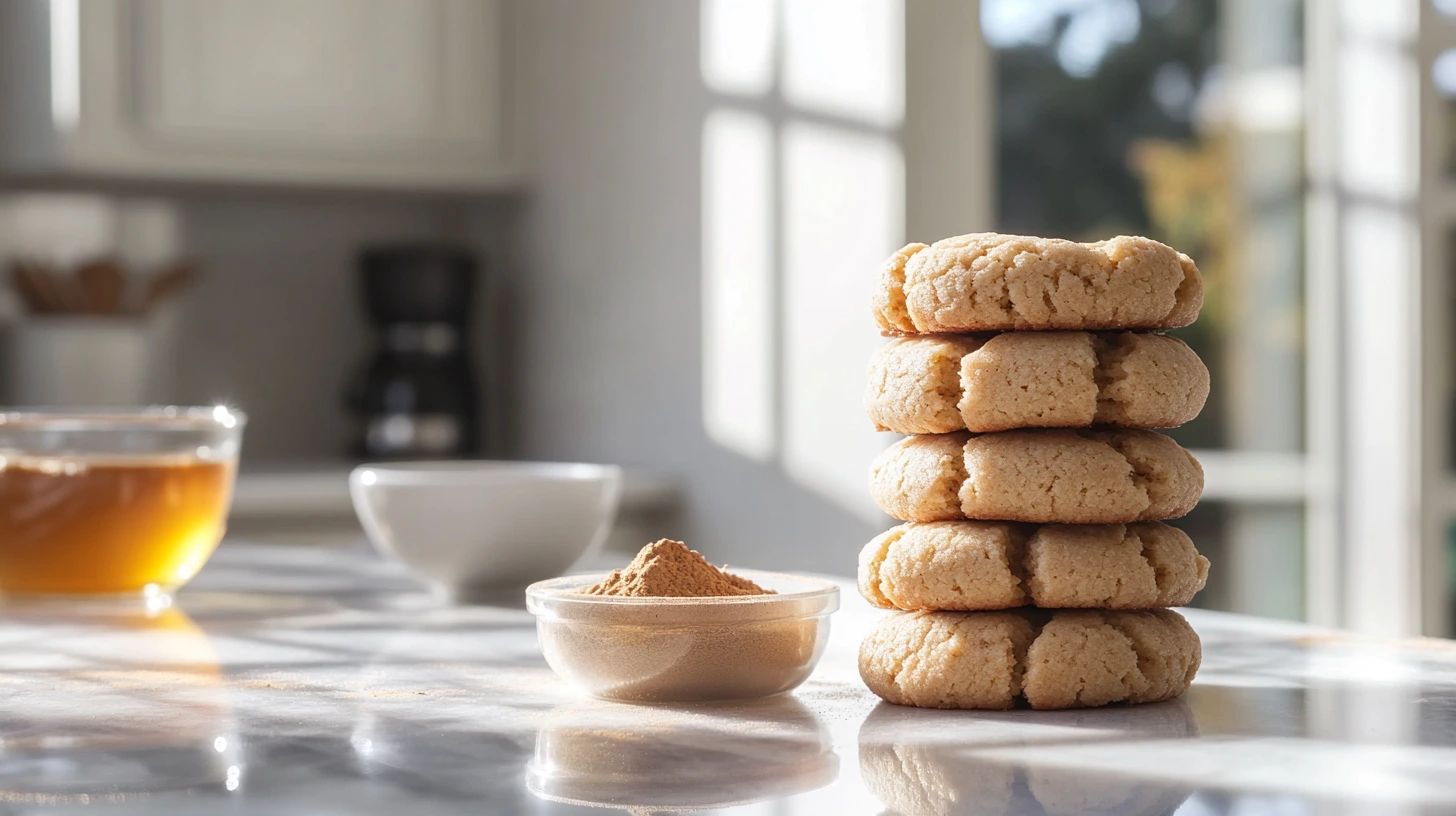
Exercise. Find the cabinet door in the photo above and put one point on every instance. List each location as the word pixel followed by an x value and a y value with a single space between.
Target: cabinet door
pixel 404 78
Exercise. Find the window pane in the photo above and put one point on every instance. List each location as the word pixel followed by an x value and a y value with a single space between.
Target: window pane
pixel 1183 120
pixel 1451 574
pixel 738 399
pixel 1443 80
pixel 1187 132
pixel 1378 88
pixel 1257 557
pixel 843 214
pixel 1450 341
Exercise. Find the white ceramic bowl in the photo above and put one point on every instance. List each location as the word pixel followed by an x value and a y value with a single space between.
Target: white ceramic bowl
pixel 477 529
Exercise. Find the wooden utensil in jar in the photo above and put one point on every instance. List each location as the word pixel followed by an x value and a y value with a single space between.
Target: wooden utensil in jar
pixel 100 287
pixel 43 289
pixel 103 287
pixel 166 283
pixel 23 278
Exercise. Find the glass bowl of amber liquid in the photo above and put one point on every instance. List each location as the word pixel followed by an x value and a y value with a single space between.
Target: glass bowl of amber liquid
pixel 112 504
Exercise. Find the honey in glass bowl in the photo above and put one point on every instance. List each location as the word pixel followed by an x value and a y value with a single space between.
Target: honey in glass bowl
pixel 112 504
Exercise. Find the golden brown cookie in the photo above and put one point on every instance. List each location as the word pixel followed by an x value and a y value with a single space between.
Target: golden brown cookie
pixel 1049 659
pixel 1037 476
pixel 923 385
pixel 991 282
pixel 915 384
pixel 982 565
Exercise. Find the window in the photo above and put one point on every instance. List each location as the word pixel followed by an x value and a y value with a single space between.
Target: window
pixel 1119 116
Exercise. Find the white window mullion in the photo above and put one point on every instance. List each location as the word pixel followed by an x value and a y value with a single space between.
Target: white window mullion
pixel 1363 162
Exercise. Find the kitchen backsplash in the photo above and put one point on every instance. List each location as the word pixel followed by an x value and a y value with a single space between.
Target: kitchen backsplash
pixel 273 322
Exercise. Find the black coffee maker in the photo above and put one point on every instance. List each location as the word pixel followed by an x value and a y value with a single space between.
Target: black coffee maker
pixel 416 399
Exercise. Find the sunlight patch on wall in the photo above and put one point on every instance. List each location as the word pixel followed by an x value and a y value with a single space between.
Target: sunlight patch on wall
pixel 737 51
pixel 65 28
pixel 737 285
pixel 844 212
pixel 846 58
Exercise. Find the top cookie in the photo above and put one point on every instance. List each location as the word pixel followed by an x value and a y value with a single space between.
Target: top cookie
pixel 991 282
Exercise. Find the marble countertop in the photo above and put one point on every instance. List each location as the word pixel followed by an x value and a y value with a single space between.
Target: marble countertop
pixel 294 681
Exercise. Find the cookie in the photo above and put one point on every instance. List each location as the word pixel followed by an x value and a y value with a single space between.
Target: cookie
pixel 915 384
pixel 991 282
pixel 1063 659
pixel 1037 476
pixel 925 385
pixel 980 565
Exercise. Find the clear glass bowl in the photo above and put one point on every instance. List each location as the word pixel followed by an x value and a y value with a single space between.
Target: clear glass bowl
pixel 684 649
pixel 124 502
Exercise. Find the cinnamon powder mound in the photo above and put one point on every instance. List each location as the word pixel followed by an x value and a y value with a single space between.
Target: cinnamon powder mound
pixel 668 569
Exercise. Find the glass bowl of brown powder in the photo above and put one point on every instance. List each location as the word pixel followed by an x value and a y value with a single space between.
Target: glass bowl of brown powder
pixel 671 627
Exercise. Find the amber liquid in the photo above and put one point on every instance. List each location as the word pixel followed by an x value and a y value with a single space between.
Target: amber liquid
pixel 111 525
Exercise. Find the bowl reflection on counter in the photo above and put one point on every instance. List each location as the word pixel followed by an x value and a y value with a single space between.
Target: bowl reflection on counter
pixel 605 754
pixel 931 763
pixel 165 722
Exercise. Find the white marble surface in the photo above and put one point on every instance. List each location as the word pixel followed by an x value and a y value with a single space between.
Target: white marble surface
pixel 308 682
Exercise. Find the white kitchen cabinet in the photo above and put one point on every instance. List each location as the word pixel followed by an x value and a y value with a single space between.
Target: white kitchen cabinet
pixel 406 94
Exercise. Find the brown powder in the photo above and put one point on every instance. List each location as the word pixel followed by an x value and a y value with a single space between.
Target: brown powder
pixel 668 569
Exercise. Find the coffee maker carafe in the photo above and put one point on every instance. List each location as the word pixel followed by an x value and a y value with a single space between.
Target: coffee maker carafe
pixel 416 398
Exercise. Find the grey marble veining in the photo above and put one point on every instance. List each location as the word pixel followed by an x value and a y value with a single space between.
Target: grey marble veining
pixel 313 682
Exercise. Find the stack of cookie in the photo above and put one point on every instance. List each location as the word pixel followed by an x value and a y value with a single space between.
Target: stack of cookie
pixel 1035 564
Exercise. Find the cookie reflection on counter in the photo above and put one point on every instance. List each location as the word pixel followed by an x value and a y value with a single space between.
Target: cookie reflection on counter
pixel 605 754
pixel 939 763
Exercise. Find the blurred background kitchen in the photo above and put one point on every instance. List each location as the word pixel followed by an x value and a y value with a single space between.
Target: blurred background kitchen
pixel 642 232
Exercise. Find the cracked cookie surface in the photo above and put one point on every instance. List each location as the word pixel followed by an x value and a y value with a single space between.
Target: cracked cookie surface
pixel 1037 476
pixel 987 565
pixel 924 385
pixel 1046 659
pixel 995 282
